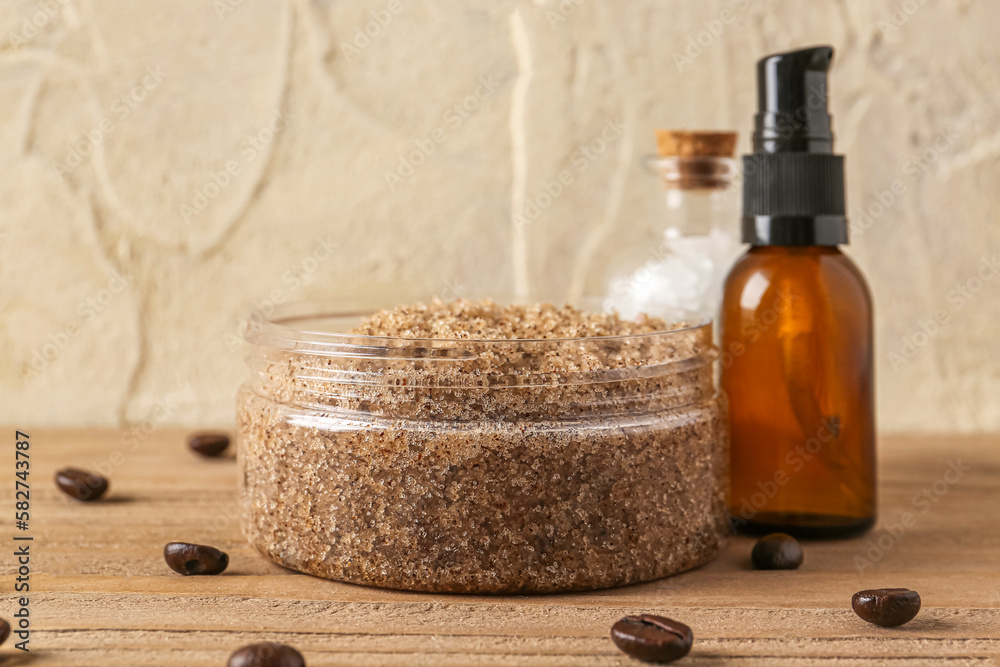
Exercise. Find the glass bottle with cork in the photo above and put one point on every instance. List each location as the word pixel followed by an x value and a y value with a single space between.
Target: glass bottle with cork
pixel 678 264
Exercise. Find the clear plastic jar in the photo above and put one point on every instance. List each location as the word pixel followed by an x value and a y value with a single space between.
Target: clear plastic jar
pixel 481 466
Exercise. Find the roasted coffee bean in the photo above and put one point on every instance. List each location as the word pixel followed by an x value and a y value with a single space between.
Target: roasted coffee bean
pixel 188 559
pixel 208 444
pixel 652 638
pixel 81 484
pixel 4 631
pixel 777 551
pixel 887 607
pixel 266 655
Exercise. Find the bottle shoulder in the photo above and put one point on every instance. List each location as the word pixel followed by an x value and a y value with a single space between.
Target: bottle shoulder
pixel 814 270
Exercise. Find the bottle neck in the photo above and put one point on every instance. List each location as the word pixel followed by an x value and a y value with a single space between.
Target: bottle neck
pixel 793 230
pixel 695 193
pixel 794 251
pixel 695 173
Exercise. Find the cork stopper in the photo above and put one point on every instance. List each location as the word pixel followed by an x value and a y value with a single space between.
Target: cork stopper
pixel 695 160
pixel 682 143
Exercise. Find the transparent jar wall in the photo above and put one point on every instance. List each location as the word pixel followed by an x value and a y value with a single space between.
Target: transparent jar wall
pixel 680 260
pixel 484 507
pixel 393 463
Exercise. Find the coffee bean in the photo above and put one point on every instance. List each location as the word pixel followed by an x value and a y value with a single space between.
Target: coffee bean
pixel 81 484
pixel 266 655
pixel 652 638
pixel 777 551
pixel 887 607
pixel 188 559
pixel 208 444
pixel 4 631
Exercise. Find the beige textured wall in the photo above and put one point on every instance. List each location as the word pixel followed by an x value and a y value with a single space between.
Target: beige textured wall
pixel 126 266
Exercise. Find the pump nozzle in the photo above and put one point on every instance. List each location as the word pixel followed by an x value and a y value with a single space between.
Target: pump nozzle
pixel 792 102
pixel 793 184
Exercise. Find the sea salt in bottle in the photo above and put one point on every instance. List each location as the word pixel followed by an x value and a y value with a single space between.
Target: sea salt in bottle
pixel 679 263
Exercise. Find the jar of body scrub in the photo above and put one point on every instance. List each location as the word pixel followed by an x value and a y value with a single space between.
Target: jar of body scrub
pixel 481 466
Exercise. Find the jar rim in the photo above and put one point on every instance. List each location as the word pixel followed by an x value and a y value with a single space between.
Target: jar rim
pixel 278 329
pixel 298 358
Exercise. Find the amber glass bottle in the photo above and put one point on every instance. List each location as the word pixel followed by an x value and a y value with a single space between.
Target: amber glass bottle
pixel 796 320
pixel 797 367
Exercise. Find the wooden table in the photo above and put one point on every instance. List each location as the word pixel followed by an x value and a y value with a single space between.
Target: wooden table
pixel 101 594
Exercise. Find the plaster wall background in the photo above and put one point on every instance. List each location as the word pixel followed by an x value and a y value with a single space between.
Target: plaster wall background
pixel 167 167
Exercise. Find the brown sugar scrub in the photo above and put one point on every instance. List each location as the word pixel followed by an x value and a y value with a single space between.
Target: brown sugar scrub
pixel 470 447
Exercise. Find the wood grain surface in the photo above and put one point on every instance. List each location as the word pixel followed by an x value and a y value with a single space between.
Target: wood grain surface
pixel 102 596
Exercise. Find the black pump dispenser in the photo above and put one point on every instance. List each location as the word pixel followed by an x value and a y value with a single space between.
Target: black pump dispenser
pixel 793 184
